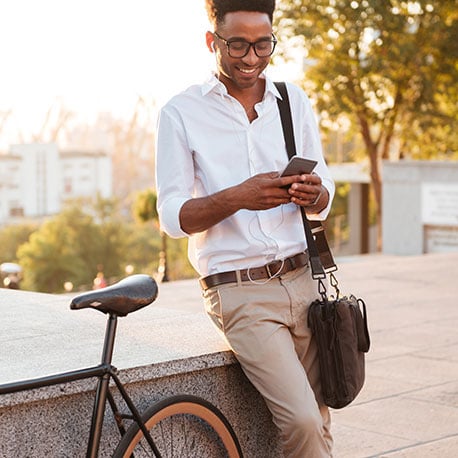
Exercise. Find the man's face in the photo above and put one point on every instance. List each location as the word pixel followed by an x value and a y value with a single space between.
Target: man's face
pixel 242 72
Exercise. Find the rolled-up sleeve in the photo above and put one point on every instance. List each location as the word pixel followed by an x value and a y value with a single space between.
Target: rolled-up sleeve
pixel 174 171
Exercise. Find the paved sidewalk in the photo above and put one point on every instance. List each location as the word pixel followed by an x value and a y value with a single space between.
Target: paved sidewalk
pixel 409 405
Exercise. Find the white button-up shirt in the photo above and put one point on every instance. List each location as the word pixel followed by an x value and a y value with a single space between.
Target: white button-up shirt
pixel 205 143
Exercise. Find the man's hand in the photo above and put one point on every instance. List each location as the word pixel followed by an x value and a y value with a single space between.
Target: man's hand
pixel 261 192
pixel 309 193
pixel 264 191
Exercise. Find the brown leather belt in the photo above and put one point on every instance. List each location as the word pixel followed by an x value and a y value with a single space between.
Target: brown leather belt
pixel 273 269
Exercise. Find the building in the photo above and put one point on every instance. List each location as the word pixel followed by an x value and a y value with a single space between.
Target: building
pixel 420 207
pixel 36 179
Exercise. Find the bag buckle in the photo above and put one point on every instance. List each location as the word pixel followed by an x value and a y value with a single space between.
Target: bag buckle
pixel 334 284
pixel 317 269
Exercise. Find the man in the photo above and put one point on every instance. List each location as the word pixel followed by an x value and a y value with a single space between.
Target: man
pixel 220 149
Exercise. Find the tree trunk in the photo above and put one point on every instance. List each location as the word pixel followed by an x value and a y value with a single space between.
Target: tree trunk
pixel 163 268
pixel 373 154
pixel 377 187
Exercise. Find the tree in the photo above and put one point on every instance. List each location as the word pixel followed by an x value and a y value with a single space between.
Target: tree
pixel 88 236
pixel 56 121
pixel 143 248
pixel 144 209
pixel 49 258
pixel 390 67
pixel 11 238
pixel 70 247
pixel 173 260
pixel 144 206
pixel 112 247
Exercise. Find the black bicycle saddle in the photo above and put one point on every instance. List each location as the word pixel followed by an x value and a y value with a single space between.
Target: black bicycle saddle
pixel 121 298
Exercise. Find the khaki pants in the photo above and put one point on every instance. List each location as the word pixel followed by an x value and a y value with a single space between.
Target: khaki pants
pixel 266 327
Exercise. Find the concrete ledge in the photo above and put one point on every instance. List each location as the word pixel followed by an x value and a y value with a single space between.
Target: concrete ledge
pixel 159 351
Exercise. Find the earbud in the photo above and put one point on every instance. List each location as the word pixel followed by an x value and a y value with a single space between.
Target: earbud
pixel 213 46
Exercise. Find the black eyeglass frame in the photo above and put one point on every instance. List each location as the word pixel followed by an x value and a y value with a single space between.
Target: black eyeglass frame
pixel 228 43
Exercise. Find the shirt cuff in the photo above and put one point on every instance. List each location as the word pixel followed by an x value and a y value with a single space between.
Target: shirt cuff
pixel 169 217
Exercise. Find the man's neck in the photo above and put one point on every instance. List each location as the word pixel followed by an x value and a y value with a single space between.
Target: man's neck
pixel 248 93
pixel 248 97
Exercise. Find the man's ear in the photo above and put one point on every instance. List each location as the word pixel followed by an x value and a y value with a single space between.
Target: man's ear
pixel 210 39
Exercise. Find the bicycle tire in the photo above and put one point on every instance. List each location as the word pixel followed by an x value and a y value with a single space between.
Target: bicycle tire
pixel 194 428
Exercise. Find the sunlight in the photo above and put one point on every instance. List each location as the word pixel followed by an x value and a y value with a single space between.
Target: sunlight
pixel 97 55
pixel 90 57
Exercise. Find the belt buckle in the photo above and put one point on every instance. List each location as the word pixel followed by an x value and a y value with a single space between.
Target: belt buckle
pixel 277 273
pixel 269 273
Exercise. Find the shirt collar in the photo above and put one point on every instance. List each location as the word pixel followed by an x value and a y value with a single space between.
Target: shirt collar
pixel 213 84
pixel 271 88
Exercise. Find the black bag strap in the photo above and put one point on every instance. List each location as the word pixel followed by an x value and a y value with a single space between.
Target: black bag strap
pixel 286 119
pixel 320 254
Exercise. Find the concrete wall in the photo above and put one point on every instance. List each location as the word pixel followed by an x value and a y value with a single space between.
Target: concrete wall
pixel 420 207
pixel 160 351
pixel 58 424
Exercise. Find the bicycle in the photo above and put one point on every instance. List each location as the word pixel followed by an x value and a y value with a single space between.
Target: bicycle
pixel 177 426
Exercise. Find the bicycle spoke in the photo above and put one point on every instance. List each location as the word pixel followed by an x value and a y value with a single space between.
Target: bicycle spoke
pixel 180 436
pixel 182 426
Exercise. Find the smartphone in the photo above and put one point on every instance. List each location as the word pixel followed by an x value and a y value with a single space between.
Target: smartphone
pixel 299 165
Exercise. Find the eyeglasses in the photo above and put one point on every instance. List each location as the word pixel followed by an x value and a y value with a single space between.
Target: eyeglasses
pixel 240 48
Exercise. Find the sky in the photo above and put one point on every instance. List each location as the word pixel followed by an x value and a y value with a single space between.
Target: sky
pixel 96 56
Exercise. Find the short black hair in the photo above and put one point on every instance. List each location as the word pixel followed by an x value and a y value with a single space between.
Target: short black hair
pixel 217 9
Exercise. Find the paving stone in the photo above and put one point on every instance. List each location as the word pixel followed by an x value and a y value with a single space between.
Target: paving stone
pixel 440 448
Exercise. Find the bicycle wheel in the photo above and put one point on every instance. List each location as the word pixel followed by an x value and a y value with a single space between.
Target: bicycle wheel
pixel 182 426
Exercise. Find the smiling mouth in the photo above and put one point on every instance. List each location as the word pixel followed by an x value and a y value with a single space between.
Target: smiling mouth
pixel 247 71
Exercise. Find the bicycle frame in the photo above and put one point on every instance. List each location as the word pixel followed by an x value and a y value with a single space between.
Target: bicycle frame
pixel 104 372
